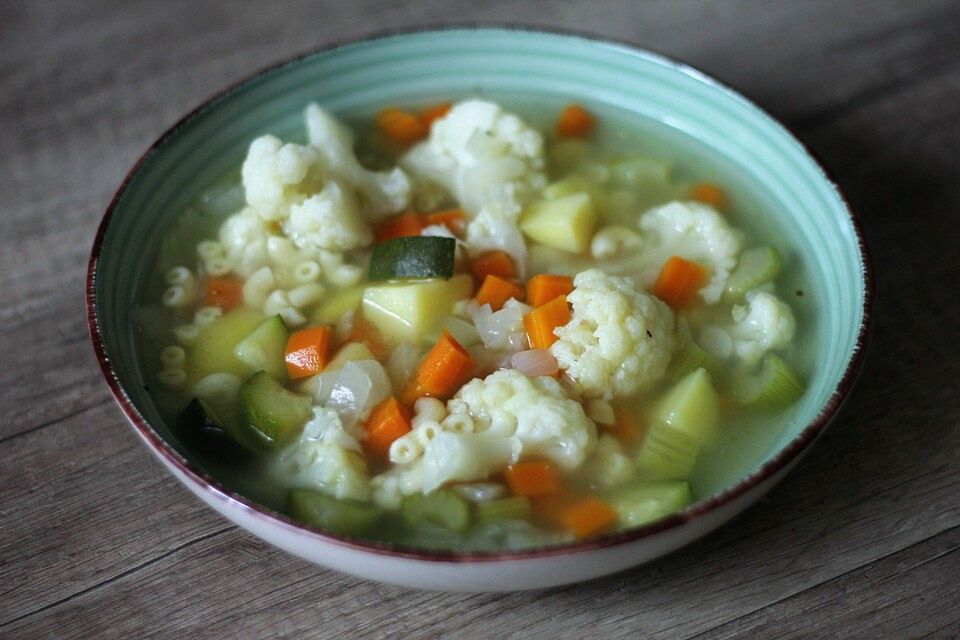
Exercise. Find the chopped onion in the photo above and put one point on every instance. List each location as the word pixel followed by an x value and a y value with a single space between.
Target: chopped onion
pixel 495 329
pixel 402 363
pixel 535 362
pixel 465 333
pixel 359 387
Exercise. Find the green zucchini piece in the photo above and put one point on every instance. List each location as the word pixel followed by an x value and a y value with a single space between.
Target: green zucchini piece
pixel 644 502
pixel 263 348
pixel 213 352
pixel 413 257
pixel 278 414
pixel 348 517
pixel 667 454
pixel 441 507
pixel 775 385
pixel 688 359
pixel 756 266
pixel 205 432
pixel 513 508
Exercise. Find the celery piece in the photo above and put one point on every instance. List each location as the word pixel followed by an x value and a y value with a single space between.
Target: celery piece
pixel 755 267
pixel 775 385
pixel 640 171
pixel 643 502
pixel 327 513
pixel 667 454
pixel 688 359
pixel 263 348
pixel 513 508
pixel 441 507
pixel 691 406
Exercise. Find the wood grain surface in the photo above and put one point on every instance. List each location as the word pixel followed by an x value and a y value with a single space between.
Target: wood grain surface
pixel 861 540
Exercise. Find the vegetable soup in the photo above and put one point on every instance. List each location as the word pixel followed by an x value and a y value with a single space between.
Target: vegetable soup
pixel 456 327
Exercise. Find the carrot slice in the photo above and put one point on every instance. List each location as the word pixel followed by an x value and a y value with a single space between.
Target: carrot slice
pixel 533 479
pixel 225 293
pixel 389 421
pixel 400 226
pixel 453 219
pixel 575 122
pixel 540 323
pixel 544 287
pixel 307 351
pixel 496 291
pixel 493 263
pixel 709 193
pixel 442 371
pixel 434 112
pixel 588 517
pixel 402 127
pixel 679 281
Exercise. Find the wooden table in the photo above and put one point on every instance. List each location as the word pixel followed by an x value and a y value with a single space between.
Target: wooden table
pixel 860 541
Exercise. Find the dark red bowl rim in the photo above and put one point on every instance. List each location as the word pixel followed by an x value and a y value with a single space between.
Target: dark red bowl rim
pixel 202 480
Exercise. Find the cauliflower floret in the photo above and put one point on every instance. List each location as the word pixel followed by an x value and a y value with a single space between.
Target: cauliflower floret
pixel 381 193
pixel 491 162
pixel 766 323
pixel 619 339
pixel 609 466
pixel 329 221
pixel 277 175
pixel 483 155
pixel 324 458
pixel 510 416
pixel 535 411
pixel 694 231
pixel 244 236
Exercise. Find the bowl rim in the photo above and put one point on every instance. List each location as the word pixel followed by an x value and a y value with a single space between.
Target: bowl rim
pixel 212 487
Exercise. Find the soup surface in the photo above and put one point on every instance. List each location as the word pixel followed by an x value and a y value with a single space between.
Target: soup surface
pixel 460 327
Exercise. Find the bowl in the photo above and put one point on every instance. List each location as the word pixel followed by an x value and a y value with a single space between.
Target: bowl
pixel 615 80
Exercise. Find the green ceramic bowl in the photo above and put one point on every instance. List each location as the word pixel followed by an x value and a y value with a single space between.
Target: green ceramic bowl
pixel 622 84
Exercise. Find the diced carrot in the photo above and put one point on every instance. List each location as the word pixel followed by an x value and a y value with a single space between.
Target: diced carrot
pixel 626 428
pixel 493 263
pixel 533 479
pixel 544 287
pixel 540 323
pixel 363 331
pixel 679 281
pixel 575 122
pixel 225 293
pixel 306 352
pixel 496 291
pixel 403 127
pixel 453 219
pixel 434 112
pixel 442 371
pixel 709 193
pixel 400 226
pixel 588 517
pixel 389 421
